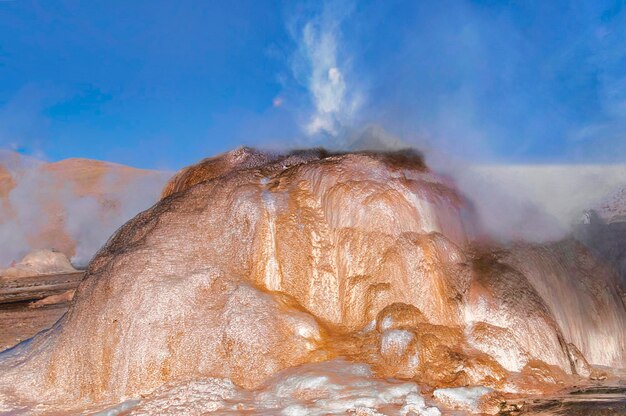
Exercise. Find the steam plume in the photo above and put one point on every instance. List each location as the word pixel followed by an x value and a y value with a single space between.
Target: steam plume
pixel 322 66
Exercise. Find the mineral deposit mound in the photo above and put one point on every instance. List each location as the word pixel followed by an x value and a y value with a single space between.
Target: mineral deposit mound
pixel 282 282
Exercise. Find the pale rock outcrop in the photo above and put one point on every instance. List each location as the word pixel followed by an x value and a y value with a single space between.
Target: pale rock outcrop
pixel 39 262
pixel 471 399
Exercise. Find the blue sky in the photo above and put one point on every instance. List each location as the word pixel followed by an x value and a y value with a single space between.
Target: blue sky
pixel 162 84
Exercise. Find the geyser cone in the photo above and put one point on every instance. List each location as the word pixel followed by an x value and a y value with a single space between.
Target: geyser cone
pixel 253 263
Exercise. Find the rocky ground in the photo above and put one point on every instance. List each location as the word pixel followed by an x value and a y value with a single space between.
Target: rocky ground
pixel 598 400
pixel 20 318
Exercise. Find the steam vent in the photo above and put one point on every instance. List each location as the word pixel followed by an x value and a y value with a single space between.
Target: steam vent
pixel 318 283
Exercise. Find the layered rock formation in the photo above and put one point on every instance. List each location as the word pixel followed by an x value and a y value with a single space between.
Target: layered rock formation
pixel 252 264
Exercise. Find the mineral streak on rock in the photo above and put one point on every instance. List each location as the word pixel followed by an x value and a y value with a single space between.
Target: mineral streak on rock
pixel 252 264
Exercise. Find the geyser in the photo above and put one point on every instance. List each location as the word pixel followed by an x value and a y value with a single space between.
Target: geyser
pixel 252 264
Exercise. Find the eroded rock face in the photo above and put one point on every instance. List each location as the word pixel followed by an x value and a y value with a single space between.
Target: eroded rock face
pixel 254 263
pixel 581 294
pixel 502 297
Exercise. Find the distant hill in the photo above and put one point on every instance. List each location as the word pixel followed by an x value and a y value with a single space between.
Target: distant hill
pixel 71 206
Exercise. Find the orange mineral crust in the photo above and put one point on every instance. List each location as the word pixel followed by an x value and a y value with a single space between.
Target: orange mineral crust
pixel 332 271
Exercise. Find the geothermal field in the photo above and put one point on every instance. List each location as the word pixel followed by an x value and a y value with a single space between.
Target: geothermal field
pixel 312 208
pixel 314 282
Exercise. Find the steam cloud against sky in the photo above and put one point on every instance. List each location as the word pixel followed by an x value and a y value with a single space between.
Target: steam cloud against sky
pixel 335 101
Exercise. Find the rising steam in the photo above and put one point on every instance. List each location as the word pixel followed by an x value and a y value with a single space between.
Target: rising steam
pixel 44 211
pixel 513 202
pixel 321 64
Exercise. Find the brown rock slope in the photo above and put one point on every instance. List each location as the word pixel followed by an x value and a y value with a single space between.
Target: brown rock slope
pixel 276 261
